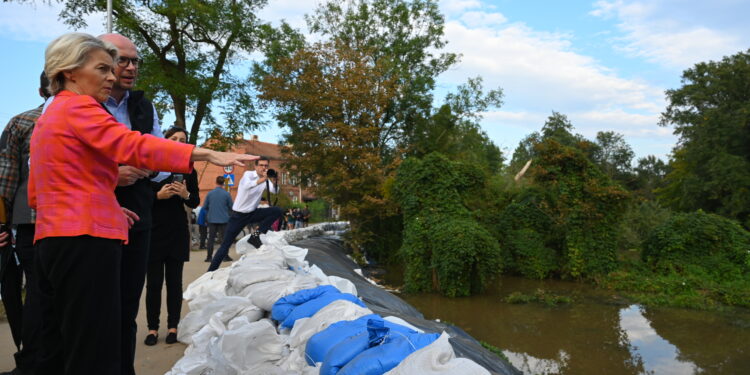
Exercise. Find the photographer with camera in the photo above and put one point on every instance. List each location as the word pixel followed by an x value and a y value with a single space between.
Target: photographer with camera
pixel 245 209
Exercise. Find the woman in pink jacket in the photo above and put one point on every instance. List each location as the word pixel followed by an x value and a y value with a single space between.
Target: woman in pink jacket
pixel 75 151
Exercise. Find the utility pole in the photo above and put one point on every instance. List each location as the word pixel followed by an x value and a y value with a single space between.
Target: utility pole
pixel 109 16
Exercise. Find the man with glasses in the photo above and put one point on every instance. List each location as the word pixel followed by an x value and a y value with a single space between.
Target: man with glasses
pixel 133 189
pixel 245 210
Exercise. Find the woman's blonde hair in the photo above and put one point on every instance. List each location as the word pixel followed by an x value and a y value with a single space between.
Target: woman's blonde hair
pixel 68 52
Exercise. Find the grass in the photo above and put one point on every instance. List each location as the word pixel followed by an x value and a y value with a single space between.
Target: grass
pixel 542 296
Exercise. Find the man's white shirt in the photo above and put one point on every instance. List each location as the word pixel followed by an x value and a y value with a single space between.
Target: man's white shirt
pixel 249 192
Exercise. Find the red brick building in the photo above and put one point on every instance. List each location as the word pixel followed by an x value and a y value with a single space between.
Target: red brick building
pixel 207 173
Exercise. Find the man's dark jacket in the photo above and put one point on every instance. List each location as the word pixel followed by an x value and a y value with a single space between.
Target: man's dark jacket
pixel 139 197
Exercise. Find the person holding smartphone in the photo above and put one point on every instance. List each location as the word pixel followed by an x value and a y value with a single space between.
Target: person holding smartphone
pixel 170 245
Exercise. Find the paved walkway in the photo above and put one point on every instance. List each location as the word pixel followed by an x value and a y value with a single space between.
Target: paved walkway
pixel 149 360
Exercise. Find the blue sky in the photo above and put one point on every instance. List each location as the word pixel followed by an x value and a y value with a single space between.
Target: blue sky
pixel 605 64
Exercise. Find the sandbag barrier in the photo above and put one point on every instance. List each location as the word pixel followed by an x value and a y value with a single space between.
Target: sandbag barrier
pixel 305 309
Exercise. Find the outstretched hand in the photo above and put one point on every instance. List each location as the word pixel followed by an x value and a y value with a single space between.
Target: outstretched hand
pixel 229 158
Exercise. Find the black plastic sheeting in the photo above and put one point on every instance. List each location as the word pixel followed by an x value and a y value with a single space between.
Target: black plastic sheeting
pixel 328 253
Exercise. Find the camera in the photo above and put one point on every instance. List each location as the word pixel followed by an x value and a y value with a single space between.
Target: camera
pixel 179 178
pixel 271 173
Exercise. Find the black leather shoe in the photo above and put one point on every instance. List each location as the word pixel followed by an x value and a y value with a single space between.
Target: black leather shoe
pixel 150 339
pixel 254 240
pixel 227 259
pixel 208 259
pixel 171 338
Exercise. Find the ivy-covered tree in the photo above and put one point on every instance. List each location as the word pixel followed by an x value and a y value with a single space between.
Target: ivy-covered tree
pixel 710 169
pixel 444 248
pixel 188 48
pixel 454 131
pixel 558 128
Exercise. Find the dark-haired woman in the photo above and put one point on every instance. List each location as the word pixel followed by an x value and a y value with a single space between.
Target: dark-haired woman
pixel 170 245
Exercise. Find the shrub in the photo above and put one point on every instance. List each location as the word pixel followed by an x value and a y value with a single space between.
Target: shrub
pixel 444 247
pixel 637 223
pixel 717 245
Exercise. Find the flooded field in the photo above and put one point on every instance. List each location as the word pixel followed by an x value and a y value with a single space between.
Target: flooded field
pixel 598 333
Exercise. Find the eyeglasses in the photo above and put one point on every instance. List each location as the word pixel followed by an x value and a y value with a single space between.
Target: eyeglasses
pixel 124 61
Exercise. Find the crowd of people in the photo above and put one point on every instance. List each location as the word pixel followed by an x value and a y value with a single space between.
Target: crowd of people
pixel 92 220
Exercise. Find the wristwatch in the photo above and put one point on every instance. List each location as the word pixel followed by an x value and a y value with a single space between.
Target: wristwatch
pixel 188 197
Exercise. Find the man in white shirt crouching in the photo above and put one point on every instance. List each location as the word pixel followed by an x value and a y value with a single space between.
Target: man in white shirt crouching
pixel 245 210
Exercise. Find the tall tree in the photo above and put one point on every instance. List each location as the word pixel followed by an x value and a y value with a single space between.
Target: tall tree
pixel 454 131
pixel 558 128
pixel 332 99
pixel 406 33
pixel 710 113
pixel 188 49
pixel 613 155
pixel 347 100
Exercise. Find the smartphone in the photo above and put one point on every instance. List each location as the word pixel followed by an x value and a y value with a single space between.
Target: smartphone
pixel 178 177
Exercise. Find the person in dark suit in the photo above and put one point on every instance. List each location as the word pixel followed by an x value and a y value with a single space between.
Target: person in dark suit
pixel 170 245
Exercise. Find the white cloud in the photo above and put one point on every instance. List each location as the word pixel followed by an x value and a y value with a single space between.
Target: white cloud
pixel 483 19
pixel 662 33
pixel 541 72
pixel 455 6
pixel 40 23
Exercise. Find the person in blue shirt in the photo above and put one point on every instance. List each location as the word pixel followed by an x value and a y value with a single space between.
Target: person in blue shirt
pixel 218 207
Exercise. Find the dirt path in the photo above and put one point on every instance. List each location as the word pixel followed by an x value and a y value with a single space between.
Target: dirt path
pixel 149 360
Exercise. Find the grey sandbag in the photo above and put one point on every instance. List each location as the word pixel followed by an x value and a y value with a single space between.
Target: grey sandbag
pixel 328 253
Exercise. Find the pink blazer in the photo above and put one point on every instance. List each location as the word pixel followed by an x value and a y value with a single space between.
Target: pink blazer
pixel 76 147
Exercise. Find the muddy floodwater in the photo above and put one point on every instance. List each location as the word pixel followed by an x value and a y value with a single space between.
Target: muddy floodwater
pixel 598 333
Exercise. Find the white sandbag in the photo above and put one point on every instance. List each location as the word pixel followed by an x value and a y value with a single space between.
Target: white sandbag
pixel 317 273
pixel 336 311
pixel 294 257
pixel 240 278
pixel 195 360
pixel 229 306
pixel 437 358
pixel 248 345
pixel 207 283
pixel 294 362
pixel 342 284
pixel 201 339
pixel 262 260
pixel 204 300
pixel 399 321
pixel 265 294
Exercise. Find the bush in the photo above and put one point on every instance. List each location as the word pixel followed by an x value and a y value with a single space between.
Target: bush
pixel 444 247
pixel 637 223
pixel 717 245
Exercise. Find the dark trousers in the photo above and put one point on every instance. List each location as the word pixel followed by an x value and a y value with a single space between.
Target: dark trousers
pixel 79 290
pixel 26 357
pixel 214 230
pixel 202 229
pixel 134 261
pixel 155 278
pixel 238 220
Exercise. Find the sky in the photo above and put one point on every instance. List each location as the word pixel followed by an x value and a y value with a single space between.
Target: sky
pixel 605 64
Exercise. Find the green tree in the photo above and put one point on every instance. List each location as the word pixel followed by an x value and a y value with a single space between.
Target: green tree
pixel 613 155
pixel 347 100
pixel 454 131
pixel 710 169
pixel 406 33
pixel 558 128
pixel 189 48
pixel 649 176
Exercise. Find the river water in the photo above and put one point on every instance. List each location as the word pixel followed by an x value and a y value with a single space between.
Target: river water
pixel 598 333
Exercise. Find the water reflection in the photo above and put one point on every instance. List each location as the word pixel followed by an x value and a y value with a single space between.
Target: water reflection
pixel 658 355
pixel 597 334
pixel 532 365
